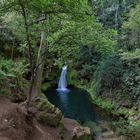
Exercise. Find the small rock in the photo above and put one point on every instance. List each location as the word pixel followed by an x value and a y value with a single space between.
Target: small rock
pixel 5 120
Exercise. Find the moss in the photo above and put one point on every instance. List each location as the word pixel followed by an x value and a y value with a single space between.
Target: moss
pixel 48 113
pixel 49 118
pixel 85 137
pixel 45 86
pixel 62 129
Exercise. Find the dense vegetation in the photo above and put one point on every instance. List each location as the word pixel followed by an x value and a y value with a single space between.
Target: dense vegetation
pixel 99 40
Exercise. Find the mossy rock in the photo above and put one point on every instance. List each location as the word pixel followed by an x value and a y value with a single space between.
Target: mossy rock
pixel 51 119
pixel 48 113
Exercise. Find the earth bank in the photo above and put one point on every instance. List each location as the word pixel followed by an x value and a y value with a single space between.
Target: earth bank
pixel 42 122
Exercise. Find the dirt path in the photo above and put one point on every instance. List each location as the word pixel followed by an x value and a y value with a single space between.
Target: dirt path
pixel 45 133
pixel 16 125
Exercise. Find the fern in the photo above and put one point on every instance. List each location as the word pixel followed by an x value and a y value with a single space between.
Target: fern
pixel 11 73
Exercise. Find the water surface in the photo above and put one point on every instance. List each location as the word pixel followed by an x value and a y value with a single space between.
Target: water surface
pixel 74 104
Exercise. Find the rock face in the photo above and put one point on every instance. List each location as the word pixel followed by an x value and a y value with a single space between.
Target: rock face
pixel 48 113
pixel 76 132
pixel 50 118
pixel 81 133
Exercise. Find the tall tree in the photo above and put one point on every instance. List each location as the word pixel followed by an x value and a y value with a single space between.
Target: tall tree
pixel 31 14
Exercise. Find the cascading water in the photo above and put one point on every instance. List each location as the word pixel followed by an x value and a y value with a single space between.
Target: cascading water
pixel 62 85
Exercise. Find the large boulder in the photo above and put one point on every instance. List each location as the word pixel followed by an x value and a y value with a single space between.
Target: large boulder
pixel 52 119
pixel 81 133
pixel 75 131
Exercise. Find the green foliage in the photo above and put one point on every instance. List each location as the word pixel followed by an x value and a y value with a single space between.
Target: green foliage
pixel 117 77
pixel 97 44
pixel 112 13
pixel 131 55
pixel 104 104
pixel 122 127
pixel 61 18
pixel 72 77
pixel 69 40
pixel 126 128
pixel 45 86
pixel 11 74
pixel 99 101
pixel 83 35
pixel 131 80
pixel 109 73
pixel 131 29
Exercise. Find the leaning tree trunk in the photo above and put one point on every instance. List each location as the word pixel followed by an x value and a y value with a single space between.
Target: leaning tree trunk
pixel 40 64
pixel 35 87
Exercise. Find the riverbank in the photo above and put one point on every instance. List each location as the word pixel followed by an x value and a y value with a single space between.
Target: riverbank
pixel 126 121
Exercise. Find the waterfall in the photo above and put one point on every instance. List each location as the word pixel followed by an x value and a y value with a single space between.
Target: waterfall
pixel 62 85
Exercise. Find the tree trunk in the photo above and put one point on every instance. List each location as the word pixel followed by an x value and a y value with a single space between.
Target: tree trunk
pixel 35 87
pixel 40 64
pixel 36 74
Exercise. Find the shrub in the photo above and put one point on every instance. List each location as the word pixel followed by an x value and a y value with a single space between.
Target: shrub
pixel 11 75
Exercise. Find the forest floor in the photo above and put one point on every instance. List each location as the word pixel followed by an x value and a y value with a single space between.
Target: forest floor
pixel 16 124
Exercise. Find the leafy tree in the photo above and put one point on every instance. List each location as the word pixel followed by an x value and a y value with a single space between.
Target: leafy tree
pixel 131 29
pixel 112 12
pixel 109 73
pixel 34 17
